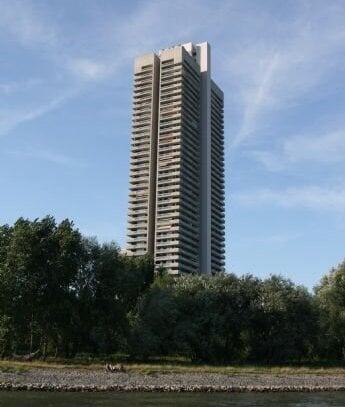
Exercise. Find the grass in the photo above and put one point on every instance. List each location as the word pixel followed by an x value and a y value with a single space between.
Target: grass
pixel 170 365
pixel 9 367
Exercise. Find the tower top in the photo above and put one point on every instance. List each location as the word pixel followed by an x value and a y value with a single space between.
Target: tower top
pixel 201 53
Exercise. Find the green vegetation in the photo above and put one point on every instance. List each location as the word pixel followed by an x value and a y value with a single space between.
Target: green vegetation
pixel 170 366
pixel 65 296
pixel 62 294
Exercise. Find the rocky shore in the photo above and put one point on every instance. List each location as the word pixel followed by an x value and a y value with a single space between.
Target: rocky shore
pixel 97 380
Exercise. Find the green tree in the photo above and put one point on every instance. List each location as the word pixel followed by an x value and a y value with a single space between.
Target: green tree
pixel 109 285
pixel 202 317
pixel 330 299
pixel 39 265
pixel 285 322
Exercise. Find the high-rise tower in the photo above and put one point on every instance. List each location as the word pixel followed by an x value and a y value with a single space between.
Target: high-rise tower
pixel 176 199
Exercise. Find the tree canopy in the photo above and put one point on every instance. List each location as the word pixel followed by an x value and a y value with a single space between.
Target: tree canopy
pixel 62 293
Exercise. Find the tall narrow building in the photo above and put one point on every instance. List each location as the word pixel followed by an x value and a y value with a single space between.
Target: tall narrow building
pixel 176 199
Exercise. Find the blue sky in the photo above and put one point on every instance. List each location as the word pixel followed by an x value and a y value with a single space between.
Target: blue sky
pixel 65 112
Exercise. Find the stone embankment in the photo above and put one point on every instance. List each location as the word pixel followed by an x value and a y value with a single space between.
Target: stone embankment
pixel 97 380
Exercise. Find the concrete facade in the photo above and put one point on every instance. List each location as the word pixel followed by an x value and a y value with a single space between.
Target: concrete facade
pixel 176 199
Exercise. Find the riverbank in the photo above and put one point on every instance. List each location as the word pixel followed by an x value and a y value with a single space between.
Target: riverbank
pixel 62 379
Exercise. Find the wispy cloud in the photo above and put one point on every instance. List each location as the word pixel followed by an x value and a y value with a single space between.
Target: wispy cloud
pixel 88 69
pixel 31 26
pixel 285 65
pixel 8 88
pixel 272 161
pixel 11 87
pixel 270 65
pixel 330 199
pixel 261 96
pixel 46 155
pixel 27 23
pixel 154 24
pixel 324 148
pixel 82 62
pixel 11 118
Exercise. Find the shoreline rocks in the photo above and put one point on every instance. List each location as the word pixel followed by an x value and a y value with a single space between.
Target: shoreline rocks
pixel 66 380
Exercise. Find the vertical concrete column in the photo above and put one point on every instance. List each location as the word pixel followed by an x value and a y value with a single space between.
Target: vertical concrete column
pixel 153 156
pixel 204 60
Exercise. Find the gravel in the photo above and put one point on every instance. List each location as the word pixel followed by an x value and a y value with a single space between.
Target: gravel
pixel 97 380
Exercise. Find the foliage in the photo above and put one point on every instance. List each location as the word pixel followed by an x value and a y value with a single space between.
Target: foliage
pixel 225 318
pixel 330 299
pixel 285 325
pixel 63 294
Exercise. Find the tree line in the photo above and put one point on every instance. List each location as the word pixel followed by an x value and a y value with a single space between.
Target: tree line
pixel 62 294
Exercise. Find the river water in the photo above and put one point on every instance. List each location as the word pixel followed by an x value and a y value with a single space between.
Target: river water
pixel 36 399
